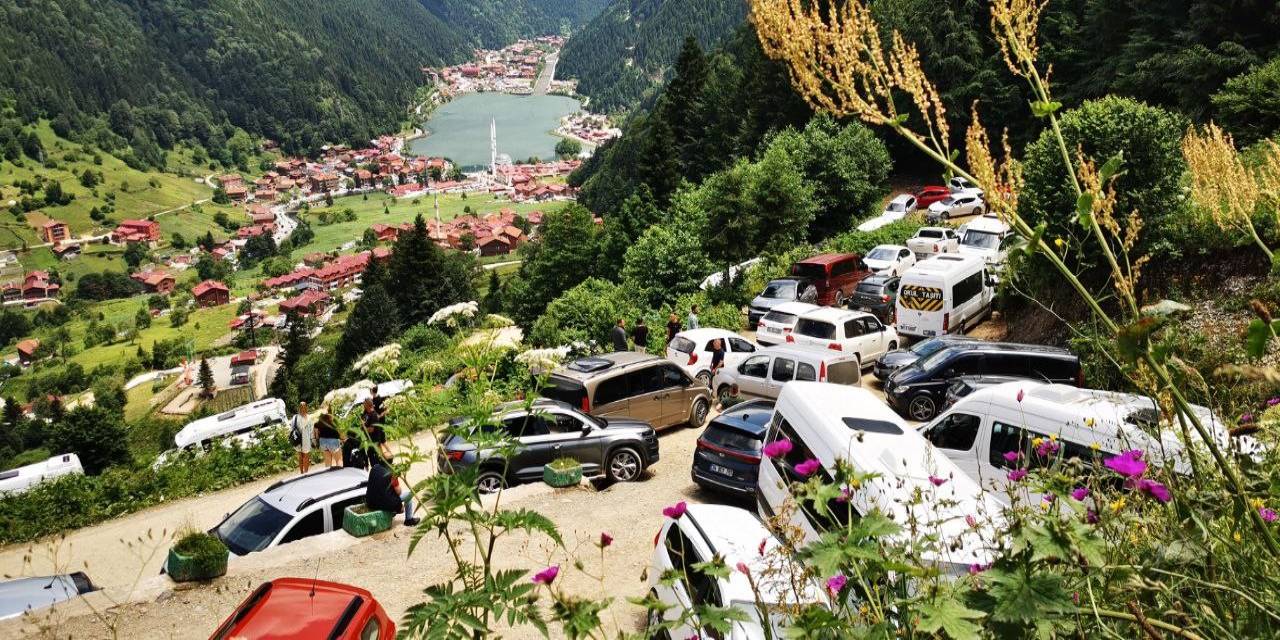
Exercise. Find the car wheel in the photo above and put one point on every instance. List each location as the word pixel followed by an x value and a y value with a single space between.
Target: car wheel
pixel 722 392
pixel 977 211
pixel 490 482
pixel 704 378
pixel 698 416
pixel 625 465
pixel 839 298
pixel 922 407
pixel 893 346
pixel 946 215
pixel 653 620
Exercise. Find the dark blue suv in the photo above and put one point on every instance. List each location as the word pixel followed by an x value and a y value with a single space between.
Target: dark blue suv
pixel 728 453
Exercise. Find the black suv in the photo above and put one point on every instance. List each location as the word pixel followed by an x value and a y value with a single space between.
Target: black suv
pixel 619 448
pixel 728 453
pixel 878 296
pixel 919 390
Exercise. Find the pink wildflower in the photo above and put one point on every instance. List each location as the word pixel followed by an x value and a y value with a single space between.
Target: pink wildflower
pixel 1047 448
pixel 676 510
pixel 808 467
pixel 742 567
pixel 971 521
pixel 1080 493
pixel 1128 464
pixel 836 583
pixel 937 482
pixel 777 448
pixel 1012 456
pixel 1021 395
pixel 1268 515
pixel 1016 475
pixel 1154 489
pixel 605 539
pixel 548 575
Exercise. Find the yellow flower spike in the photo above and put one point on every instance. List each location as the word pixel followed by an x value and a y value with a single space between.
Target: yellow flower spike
pixel 1118 504
pixel 1236 536
pixel 1035 442
pixel 1095 446
pixel 1257 503
pixel 1059 243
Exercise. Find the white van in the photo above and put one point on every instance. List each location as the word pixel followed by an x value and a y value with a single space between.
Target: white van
pixel 1087 424
pixel 23 478
pixel 943 294
pixel 845 331
pixel 763 374
pixel 986 237
pixel 830 422
pixel 241 422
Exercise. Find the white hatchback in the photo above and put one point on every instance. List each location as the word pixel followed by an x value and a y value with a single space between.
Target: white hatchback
pixel 855 332
pixel 691 351
pixel 889 259
pixel 775 326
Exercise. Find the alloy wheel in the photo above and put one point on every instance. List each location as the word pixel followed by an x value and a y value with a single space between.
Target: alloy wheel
pixel 624 465
pixel 489 482
pixel 922 407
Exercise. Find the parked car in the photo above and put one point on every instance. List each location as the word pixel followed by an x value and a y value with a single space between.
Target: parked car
pixel 631 385
pixel 775 326
pixel 691 351
pixel 23 478
pixel 944 294
pixel 780 291
pixel 20 595
pixel 900 358
pixel 877 295
pixel 898 208
pixel 1086 424
pixel 918 391
pixel 957 206
pixel 763 374
pixel 732 535
pixel 963 386
pixel 988 238
pixel 958 184
pixel 619 448
pixel 889 259
pixel 931 194
pixel 846 331
pixel 834 275
pixel 833 424
pixel 383 390
pixel 304 608
pixel 292 509
pixel 728 452
pixel 930 241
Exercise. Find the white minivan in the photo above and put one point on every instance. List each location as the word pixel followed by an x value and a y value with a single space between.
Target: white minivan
pixel 944 294
pixel 830 422
pixel 986 237
pixel 241 422
pixel 856 332
pixel 1086 424
pixel 776 325
pixel 691 351
pixel 763 374
pixel 23 478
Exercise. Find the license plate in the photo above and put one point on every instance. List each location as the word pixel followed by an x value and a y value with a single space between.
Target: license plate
pixel 715 468
pixel 931 333
pixel 773 330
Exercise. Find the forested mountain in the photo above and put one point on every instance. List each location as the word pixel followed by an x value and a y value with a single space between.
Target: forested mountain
pixel 624 52
pixel 495 23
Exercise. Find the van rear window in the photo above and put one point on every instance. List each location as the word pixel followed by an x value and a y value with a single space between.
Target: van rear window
pixel 730 438
pixel 567 391
pixel 873 426
pixel 682 344
pixel 780 317
pixel 816 329
pixel 808 270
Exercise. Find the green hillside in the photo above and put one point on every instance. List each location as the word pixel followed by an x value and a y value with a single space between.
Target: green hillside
pixel 625 51
pixel 496 23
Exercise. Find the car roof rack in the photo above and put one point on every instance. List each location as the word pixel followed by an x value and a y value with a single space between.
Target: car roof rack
pixel 348 614
pixel 314 499
pixel 590 364
pixel 281 483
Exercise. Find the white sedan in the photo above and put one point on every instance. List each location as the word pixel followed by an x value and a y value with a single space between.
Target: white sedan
pixel 897 209
pixel 691 350
pixel 889 259
pixel 958 205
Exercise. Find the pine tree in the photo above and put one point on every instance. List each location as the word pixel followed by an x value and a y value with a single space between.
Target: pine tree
pixel 683 104
pixel 371 324
pixel 422 278
pixel 493 302
pixel 297 341
pixel 205 379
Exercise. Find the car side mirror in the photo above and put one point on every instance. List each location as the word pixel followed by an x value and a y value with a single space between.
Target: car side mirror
pixel 949 373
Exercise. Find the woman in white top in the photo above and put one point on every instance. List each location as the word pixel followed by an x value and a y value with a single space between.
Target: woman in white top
pixel 302 434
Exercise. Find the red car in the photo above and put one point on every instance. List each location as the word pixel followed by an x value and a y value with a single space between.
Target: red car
pixel 834 275
pixel 929 195
pixel 302 609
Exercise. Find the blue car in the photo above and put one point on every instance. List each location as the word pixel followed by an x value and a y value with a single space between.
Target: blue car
pixel 728 453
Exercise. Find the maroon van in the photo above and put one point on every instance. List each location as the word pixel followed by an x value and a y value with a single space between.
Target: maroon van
pixel 835 275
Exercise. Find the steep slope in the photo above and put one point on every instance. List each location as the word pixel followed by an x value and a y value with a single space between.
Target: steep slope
pixel 624 52
pixel 495 23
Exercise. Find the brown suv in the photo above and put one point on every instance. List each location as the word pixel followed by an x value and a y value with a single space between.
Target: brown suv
pixel 631 385
pixel 835 275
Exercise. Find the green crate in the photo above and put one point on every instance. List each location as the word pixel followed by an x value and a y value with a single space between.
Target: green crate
pixel 184 568
pixel 359 521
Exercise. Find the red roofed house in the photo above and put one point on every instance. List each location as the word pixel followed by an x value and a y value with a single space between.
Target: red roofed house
pixel 55 231
pixel 299 279
pixel 494 246
pixel 237 192
pixel 385 233
pixel 36 287
pixel 66 251
pixel 309 303
pixel 231 180
pixel 513 234
pixel 211 293
pixel 27 350
pixel 136 231
pixel 323 181
pixel 342 271
pixel 155 281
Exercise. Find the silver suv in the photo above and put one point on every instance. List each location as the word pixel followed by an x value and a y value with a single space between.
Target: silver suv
pixel 293 509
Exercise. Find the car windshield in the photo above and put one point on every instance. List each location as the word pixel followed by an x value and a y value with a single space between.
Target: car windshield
pixel 927 347
pixel 730 438
pixel 947 202
pixel 981 239
pixel 816 329
pixel 882 253
pixel 929 363
pixel 252 527
pixel 784 289
pixel 779 317
pixel 896 206
pixel 929 233
pixel 809 270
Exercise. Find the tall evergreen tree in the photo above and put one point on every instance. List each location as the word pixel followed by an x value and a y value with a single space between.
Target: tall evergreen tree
pixel 372 323
pixel 683 106
pixel 205 379
pixel 422 278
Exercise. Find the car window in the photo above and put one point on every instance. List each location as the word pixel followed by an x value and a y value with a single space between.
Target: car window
pixel 646 380
pixel 682 344
pixel 731 438
pixel 371 630
pixel 526 425
pixel 804 371
pixel 755 367
pixel 853 328
pixel 1054 369
pixel 837 513
pixel 871 324
pixel 784 370
pixel 1006 438
pixel 565 423
pixel 672 376
pixel 892 286
pixel 741 346
pixel 966 364
pixel 904 253
pixel 252 527
pixel 311 524
pixel 611 390
pixel 815 328
pixel 336 509
pixel 956 431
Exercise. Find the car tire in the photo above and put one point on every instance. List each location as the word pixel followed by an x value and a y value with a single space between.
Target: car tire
pixel 698 414
pixel 893 346
pixel 840 299
pixel 624 465
pixel 977 211
pixel 653 619
pixel 922 407
pixel 490 481
pixel 722 392
pixel 703 378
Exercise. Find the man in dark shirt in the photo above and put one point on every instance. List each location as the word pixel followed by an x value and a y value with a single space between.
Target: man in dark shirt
pixel 640 335
pixel 717 355
pixel 673 327
pixel 619 335
pixel 384 494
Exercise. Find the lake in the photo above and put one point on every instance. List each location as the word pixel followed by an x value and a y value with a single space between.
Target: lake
pixel 459 129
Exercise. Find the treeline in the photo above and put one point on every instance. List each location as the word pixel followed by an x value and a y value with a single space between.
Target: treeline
pixel 146 75
pixel 623 53
pixel 496 23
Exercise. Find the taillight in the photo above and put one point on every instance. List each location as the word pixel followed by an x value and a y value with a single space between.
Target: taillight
pixel 884 298
pixel 946 322
pixel 1080 377
pixel 693 359
pixel 791 338
pixel 788 329
pixel 454 456
pixel 822 372
pixel 586 404
pixel 936 248
pixel 835 346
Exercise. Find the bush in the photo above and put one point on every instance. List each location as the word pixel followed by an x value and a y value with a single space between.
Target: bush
pixel 1248 105
pixel 666 262
pixel 585 312
pixel 205 555
pixel 95 434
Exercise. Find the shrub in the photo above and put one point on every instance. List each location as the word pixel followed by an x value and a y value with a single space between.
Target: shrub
pixel 424 337
pixel 208 554
pixel 585 312
pixel 664 263
pixel 95 434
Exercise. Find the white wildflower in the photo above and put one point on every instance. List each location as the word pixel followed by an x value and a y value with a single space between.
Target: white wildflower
pixel 452 315
pixel 386 356
pixel 543 359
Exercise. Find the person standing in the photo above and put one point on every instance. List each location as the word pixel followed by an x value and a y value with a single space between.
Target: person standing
pixel 619 335
pixel 717 355
pixel 330 440
pixel 301 435
pixel 692 320
pixel 385 493
pixel 673 327
pixel 377 447
pixel 640 335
